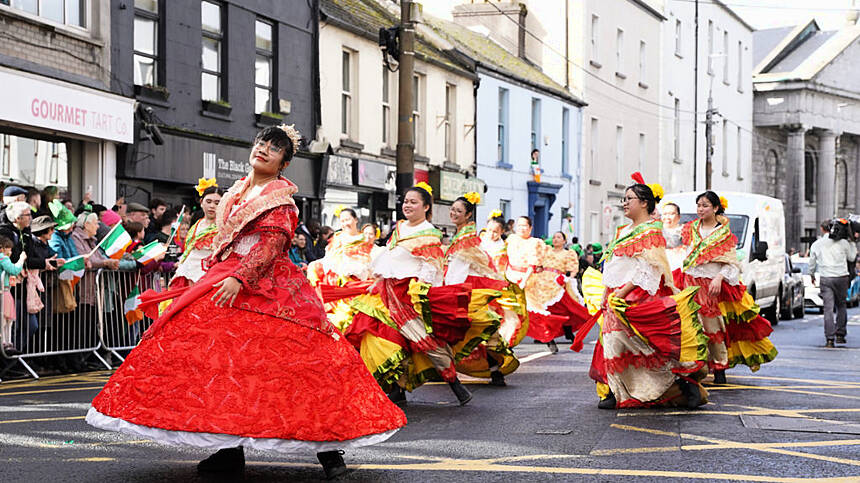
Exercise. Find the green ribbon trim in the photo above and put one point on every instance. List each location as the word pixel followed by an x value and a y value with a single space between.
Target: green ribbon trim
pixel 754 361
pixel 630 238
pixel 190 241
pixel 389 372
pixel 358 304
pixel 700 245
pixel 396 238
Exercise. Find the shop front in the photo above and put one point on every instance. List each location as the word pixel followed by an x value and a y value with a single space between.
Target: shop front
pixel 367 186
pixel 447 187
pixel 61 134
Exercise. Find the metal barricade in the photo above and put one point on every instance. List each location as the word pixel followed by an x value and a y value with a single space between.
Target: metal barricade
pixel 68 323
pixel 115 287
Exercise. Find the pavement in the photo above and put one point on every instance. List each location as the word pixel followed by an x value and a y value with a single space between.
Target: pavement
pixel 797 419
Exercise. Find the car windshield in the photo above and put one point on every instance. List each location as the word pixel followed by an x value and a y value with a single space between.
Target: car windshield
pixel 804 267
pixel 737 223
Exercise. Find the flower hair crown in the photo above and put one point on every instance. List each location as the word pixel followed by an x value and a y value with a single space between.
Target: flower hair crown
pixel 724 203
pixel 338 210
pixel 473 197
pixel 293 134
pixel 203 184
pixel 495 214
pixel 424 186
pixel 656 188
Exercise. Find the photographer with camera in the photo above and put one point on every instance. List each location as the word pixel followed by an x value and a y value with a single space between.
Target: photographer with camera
pixel 830 256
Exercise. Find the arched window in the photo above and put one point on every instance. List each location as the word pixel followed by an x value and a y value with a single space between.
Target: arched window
pixel 809 162
pixel 842 183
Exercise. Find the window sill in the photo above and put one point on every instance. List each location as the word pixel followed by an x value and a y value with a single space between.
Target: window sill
pixel 620 75
pixel 567 176
pixel 152 95
pixel 740 90
pixel 388 152
pixel 594 182
pixel 726 83
pixel 422 159
pixel 643 85
pixel 350 144
pixel 619 186
pixel 266 120
pixel 740 178
pixel 678 55
pixel 451 165
pixel 218 109
pixel 216 115
pixel 501 165
pixel 76 33
pixel 595 64
pixel 677 161
pixel 726 174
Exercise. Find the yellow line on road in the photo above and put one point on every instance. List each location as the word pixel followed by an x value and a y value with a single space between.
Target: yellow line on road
pixel 792 379
pixel 36 420
pixel 793 391
pixel 43 391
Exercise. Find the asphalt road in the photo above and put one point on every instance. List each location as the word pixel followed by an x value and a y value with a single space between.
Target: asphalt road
pixel 797 419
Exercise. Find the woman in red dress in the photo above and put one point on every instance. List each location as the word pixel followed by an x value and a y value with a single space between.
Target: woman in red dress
pixel 246 356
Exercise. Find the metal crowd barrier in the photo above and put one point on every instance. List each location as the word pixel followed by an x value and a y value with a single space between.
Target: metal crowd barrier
pixel 56 329
pixel 117 335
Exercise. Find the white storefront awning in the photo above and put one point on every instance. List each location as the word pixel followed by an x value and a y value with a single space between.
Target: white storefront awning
pixel 33 100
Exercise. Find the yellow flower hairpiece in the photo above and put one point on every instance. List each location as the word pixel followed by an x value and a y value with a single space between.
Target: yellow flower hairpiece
pixel 724 203
pixel 657 191
pixel 338 210
pixel 473 197
pixel 378 233
pixel 203 184
pixel 426 187
pixel 495 214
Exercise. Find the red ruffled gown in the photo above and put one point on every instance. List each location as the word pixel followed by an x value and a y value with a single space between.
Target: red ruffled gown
pixel 270 372
pixel 552 296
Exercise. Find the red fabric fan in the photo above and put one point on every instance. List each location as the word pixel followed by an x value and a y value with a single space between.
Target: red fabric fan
pixel 332 293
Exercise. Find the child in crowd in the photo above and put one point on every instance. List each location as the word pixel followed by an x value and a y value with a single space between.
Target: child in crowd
pixel 9 270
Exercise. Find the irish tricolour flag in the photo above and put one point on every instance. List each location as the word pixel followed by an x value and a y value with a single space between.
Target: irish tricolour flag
pixel 72 270
pixel 130 307
pixel 115 242
pixel 149 253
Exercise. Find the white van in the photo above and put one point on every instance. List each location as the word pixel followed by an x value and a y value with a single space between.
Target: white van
pixel 759 224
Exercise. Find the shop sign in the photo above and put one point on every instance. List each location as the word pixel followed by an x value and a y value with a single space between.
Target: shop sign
pixel 224 168
pixel 33 101
pixel 377 175
pixel 339 171
pixel 451 185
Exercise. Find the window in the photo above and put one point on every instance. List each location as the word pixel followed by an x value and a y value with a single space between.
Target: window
pixel 146 45
pixel 505 208
pixel 641 151
pixel 677 129
pixel 212 59
pixel 536 123
pixel 417 118
pixel 678 37
pixel 726 56
pixel 595 32
pixel 565 141
pixel 740 66
pixel 386 107
pixel 346 95
pixel 264 67
pixel 502 136
pixel 34 162
pixel 809 162
pixel 642 72
pixel 710 47
pixel 619 153
pixel 725 147
pixel 740 152
pixel 619 48
pixel 450 122
pixel 592 146
pixel 66 12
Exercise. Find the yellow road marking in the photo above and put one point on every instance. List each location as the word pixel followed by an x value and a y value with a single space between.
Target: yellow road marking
pixel 94 459
pixel 41 419
pixel 792 379
pixel 794 391
pixel 43 391
pixel 700 447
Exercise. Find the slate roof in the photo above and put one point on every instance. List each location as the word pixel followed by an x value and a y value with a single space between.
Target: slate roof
pixel 765 40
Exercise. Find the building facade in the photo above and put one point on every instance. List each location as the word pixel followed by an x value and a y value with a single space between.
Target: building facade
pixel 360 112
pixel 207 76
pixel 720 70
pixel 807 124
pixel 61 121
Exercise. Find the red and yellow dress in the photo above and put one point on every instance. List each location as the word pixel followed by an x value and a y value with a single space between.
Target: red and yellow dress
pixel 269 372
pixel 553 297
pixel 405 327
pixel 198 247
pixel 496 309
pixel 346 261
pixel 497 250
pixel 737 334
pixel 651 337
pixel 523 254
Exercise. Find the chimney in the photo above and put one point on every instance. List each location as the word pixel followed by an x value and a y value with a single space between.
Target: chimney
pixel 852 15
pixel 521 44
pixel 506 20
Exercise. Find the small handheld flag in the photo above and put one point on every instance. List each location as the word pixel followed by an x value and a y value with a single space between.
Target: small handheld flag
pixel 131 307
pixel 149 253
pixel 72 270
pixel 115 242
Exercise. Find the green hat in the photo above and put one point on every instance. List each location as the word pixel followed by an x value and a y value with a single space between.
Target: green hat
pixel 577 248
pixel 62 216
pixel 596 248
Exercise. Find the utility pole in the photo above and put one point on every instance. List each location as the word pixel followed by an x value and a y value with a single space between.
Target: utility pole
pixel 405 141
pixel 709 140
pixel 696 101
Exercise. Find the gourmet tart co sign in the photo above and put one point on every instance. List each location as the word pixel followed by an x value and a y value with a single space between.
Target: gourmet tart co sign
pixel 63 107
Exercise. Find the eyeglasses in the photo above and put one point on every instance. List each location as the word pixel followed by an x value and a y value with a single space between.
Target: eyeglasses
pixel 261 145
pixel 628 199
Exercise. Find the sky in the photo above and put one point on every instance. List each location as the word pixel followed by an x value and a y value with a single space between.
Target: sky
pixel 760 14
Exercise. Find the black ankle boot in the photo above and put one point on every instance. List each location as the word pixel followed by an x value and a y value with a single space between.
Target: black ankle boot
pixel 332 463
pixel 720 377
pixel 463 394
pixel 397 395
pixel 552 347
pixel 568 332
pixel 227 460
pixel 497 379
pixel 691 392
pixel 608 403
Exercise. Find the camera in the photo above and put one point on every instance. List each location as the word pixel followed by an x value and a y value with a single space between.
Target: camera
pixel 848 228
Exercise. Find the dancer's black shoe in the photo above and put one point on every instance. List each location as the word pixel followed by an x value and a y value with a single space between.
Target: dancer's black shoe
pixel 552 347
pixel 720 377
pixel 227 460
pixel 568 332
pixel 397 395
pixel 691 393
pixel 607 403
pixel 332 463
pixel 497 379
pixel 463 394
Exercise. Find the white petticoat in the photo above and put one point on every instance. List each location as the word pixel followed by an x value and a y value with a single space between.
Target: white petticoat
pixel 215 441
pixel 620 270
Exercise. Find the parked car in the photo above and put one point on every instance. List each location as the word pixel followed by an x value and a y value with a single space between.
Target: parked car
pixel 811 292
pixel 758 222
pixel 792 291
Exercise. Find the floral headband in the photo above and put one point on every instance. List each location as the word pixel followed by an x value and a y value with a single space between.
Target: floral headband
pixel 203 184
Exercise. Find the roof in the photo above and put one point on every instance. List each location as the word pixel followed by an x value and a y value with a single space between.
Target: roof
pixel 800 52
pixel 366 17
pixel 492 56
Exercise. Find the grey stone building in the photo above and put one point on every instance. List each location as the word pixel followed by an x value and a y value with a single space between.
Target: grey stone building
pixel 806 144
